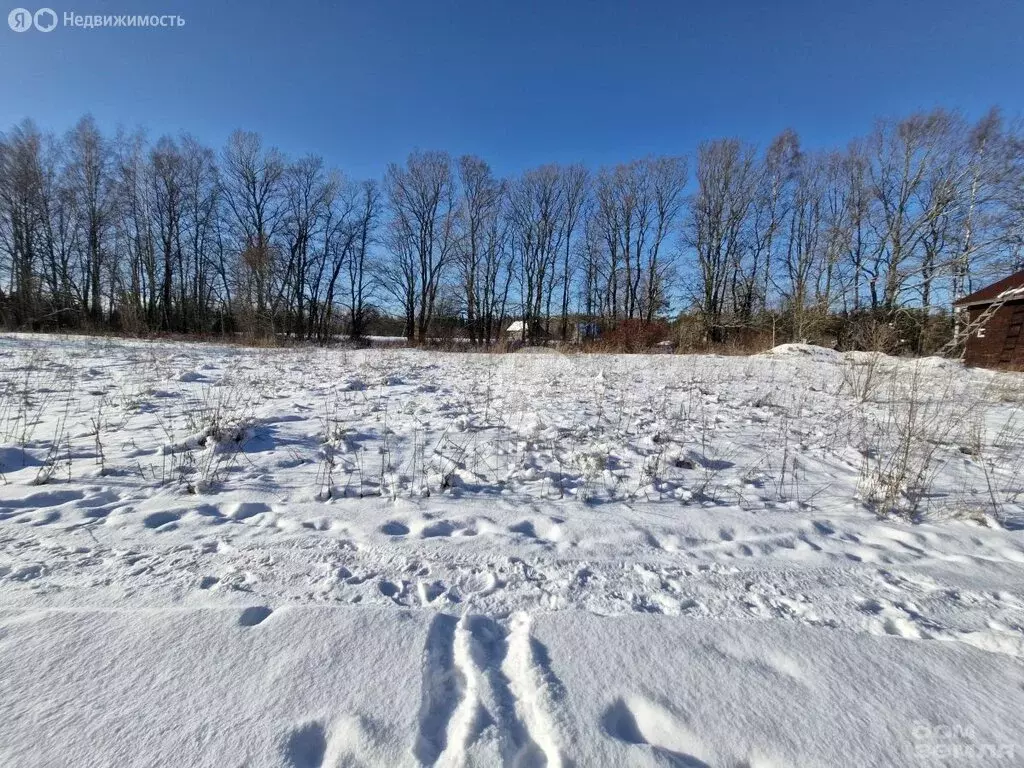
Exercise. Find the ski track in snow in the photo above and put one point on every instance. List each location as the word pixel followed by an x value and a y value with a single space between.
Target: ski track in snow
pixel 486 682
pixel 486 490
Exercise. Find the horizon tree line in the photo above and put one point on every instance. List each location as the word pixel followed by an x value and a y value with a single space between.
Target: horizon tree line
pixel 172 236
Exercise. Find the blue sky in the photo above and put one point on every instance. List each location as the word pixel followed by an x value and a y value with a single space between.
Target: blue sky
pixel 519 82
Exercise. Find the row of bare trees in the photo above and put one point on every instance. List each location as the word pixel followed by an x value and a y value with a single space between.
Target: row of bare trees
pixel 907 219
pixel 116 231
pixel 98 231
pixel 553 244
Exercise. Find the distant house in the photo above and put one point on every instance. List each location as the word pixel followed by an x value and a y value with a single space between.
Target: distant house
pixel 520 330
pixel 995 324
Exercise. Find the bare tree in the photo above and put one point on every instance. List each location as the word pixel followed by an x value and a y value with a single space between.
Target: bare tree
pixel 252 185
pixel 399 274
pixel 479 203
pixel 903 153
pixel 22 224
pixel 575 189
pixel 168 202
pixel 422 198
pixel 667 182
pixel 754 274
pixel 200 223
pixel 360 281
pixel 309 194
pixel 715 222
pixel 89 175
pixel 536 211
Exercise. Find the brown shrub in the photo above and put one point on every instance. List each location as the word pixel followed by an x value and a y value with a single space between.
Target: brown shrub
pixel 634 336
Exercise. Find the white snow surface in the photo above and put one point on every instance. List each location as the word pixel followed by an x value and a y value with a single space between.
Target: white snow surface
pixel 219 556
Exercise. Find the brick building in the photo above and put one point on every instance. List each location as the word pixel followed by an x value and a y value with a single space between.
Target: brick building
pixel 995 324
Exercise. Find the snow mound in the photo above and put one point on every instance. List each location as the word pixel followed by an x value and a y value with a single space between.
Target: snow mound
pixel 858 356
pixel 940 363
pixel 807 351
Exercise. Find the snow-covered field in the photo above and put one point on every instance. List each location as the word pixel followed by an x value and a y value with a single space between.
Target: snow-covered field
pixel 224 556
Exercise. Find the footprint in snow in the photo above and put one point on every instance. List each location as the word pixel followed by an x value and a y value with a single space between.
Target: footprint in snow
pixel 524 528
pixel 870 605
pixel 823 527
pixel 254 615
pixel 247 509
pixel 47 519
pixel 430 591
pixel 439 529
pixel 158 520
pixel 306 746
pixel 395 591
pixel 645 724
pixel 394 528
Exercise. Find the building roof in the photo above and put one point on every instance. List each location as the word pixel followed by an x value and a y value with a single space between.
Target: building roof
pixel 1011 287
